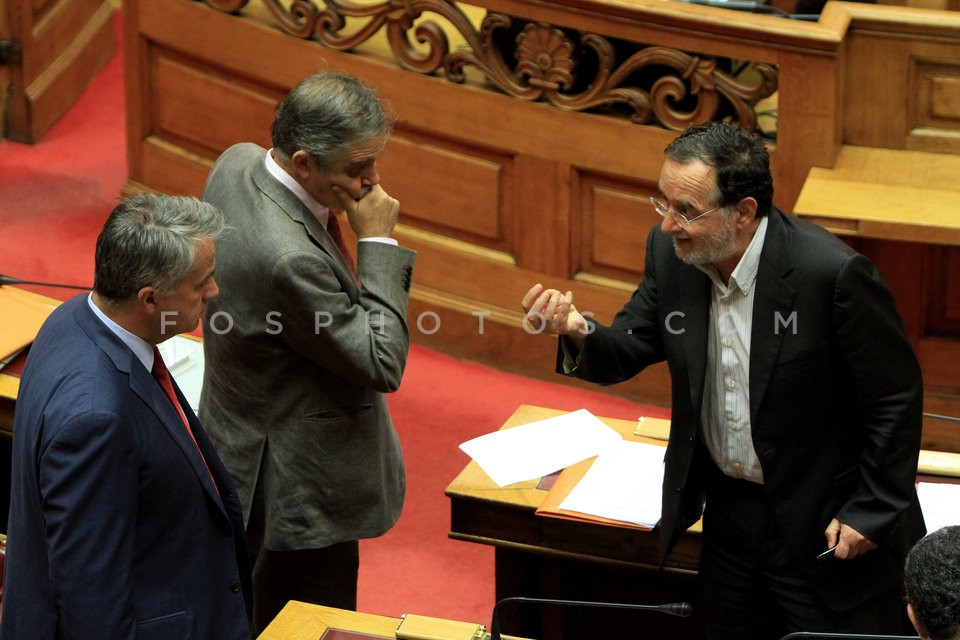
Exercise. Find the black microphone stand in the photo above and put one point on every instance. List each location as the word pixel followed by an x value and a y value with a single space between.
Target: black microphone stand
pixel 11 280
pixel 681 609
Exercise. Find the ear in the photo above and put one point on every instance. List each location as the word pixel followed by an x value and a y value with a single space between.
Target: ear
pixel 747 210
pixel 147 300
pixel 913 621
pixel 303 164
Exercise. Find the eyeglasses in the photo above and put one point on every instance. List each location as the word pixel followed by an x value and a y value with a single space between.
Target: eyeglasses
pixel 682 220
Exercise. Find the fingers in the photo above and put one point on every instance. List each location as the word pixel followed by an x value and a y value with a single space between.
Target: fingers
pixel 832 532
pixel 347 202
pixel 550 310
pixel 374 215
pixel 851 543
pixel 531 296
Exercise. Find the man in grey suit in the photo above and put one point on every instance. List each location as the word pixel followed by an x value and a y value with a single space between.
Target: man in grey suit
pixel 797 399
pixel 302 345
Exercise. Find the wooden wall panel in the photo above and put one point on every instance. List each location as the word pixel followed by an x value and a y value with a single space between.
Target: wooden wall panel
pixel 943 293
pixel 935 104
pixel 191 103
pixel 616 219
pixel 498 193
pixel 447 188
pixel 903 87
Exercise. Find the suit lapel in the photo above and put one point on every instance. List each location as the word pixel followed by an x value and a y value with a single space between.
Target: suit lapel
pixel 291 205
pixel 145 386
pixel 772 309
pixel 695 302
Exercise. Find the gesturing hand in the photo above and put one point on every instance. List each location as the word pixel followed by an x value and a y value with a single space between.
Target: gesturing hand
pixel 556 309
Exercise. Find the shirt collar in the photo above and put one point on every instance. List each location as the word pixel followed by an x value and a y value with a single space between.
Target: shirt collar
pixel 319 211
pixel 745 274
pixel 140 347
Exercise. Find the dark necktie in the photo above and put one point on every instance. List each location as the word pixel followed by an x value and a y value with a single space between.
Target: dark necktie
pixel 162 375
pixel 333 228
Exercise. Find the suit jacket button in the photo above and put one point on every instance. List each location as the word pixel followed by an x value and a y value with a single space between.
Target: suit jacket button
pixel 235 587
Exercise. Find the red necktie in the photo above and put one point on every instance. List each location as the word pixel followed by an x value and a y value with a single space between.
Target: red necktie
pixel 333 228
pixel 162 375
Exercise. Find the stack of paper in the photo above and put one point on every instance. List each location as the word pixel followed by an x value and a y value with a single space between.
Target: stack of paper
pixel 605 478
pixel 539 448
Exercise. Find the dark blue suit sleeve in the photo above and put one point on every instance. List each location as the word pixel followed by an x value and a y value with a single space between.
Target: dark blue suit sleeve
pixel 89 486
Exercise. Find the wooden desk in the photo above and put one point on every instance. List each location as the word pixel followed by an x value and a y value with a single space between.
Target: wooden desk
pixel 551 558
pixel 302 621
pixel 887 194
pixel 10 384
pixel 545 557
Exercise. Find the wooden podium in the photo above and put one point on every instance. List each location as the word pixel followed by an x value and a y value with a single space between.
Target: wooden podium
pixel 540 557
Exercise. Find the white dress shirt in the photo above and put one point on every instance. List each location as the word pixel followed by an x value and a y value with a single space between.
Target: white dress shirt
pixel 726 394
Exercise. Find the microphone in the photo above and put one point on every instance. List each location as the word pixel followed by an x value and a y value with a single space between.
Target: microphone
pixel 680 609
pixel 826 635
pixel 11 280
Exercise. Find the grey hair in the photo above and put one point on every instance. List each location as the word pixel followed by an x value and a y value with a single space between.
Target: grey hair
pixel 151 240
pixel 327 112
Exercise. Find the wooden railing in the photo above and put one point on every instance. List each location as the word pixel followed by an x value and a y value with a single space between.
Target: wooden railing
pixel 530 133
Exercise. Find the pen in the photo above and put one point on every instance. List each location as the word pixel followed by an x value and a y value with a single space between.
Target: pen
pixel 827 554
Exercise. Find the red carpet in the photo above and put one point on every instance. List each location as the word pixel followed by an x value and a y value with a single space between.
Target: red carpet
pixel 55 195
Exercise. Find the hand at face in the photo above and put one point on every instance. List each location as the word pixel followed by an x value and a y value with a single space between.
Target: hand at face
pixel 374 215
pixel 557 310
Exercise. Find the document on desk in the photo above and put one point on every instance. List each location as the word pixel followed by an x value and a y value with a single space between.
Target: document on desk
pixel 539 448
pixel 940 503
pixel 624 483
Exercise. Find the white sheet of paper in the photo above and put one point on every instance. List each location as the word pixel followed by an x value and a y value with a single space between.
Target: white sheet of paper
pixel 539 448
pixel 625 483
pixel 940 502
pixel 184 359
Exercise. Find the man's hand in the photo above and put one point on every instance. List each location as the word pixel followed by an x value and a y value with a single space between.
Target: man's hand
pixel 374 215
pixel 556 310
pixel 849 542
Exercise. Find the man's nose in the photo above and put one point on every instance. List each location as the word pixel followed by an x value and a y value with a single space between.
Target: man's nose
pixel 371 176
pixel 669 225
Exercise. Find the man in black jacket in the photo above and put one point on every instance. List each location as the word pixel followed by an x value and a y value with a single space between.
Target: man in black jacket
pixel 797 399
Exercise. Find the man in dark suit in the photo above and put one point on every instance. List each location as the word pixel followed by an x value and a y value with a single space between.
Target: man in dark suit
pixel 796 408
pixel 302 344
pixel 123 522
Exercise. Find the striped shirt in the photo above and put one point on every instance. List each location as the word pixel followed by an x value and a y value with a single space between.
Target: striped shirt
pixel 726 400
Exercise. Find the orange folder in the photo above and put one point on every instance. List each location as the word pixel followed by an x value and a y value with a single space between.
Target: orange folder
pixel 21 315
pixel 567 480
